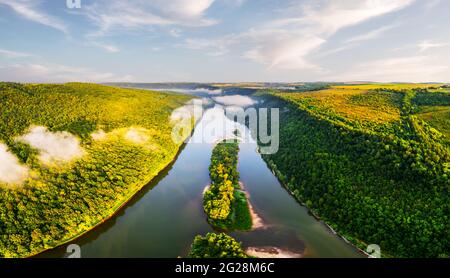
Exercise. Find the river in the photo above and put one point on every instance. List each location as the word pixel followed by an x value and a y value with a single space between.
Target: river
pixel 162 220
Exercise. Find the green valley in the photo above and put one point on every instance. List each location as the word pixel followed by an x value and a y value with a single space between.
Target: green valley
pixel 371 161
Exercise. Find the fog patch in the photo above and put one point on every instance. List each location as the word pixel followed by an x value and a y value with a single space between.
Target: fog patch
pixel 208 91
pixel 134 135
pixel 182 117
pixel 11 171
pixel 216 126
pixel 235 100
pixel 53 147
pixel 233 109
pixel 193 109
pixel 137 135
pixel 193 91
pixel 98 135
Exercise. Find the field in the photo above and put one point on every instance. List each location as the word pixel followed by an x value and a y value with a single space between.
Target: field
pixel 433 107
pixel 392 86
pixel 438 117
pixel 372 161
pixel 72 154
pixel 351 105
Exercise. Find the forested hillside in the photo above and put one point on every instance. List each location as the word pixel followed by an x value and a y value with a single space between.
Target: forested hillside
pixel 372 161
pixel 72 154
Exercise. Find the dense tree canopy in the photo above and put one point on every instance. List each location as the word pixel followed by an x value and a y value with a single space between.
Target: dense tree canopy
pixel 363 160
pixel 225 204
pixel 216 246
pixel 57 203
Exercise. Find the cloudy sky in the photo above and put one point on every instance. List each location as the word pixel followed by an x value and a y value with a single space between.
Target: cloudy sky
pixel 225 40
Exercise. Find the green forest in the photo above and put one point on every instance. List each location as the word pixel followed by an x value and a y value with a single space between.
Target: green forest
pixel 125 138
pixel 372 161
pixel 216 246
pixel 224 202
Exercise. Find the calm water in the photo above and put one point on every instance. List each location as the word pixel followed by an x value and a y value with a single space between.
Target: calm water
pixel 164 217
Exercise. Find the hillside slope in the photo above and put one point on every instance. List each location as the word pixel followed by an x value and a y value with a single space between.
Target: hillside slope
pixel 72 154
pixel 362 159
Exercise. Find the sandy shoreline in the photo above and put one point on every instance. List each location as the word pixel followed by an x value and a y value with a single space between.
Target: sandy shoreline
pixel 257 222
pixel 269 252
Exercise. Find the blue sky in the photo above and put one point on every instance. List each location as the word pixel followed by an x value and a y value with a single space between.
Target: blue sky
pixel 225 40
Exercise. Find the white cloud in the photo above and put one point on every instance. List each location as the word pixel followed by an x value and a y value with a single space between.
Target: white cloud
pixel 175 33
pixel 234 100
pixel 279 49
pixel 431 4
pixel 357 40
pixel 307 33
pixel 183 9
pixel 29 10
pixel 232 3
pixel 407 69
pixel 374 34
pixel 137 135
pixel 34 72
pixel 213 47
pixel 11 171
pixel 192 91
pixel 98 135
pixel 338 14
pixel 426 45
pixel 191 110
pixel 54 147
pixel 106 47
pixel 337 50
pixel 14 54
pixel 182 117
pixel 287 43
pixel 136 14
pixel 208 91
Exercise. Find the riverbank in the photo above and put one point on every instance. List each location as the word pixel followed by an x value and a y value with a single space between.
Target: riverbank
pixel 137 188
pixel 160 221
pixel 329 164
pixel 317 217
pixel 271 253
pixel 257 222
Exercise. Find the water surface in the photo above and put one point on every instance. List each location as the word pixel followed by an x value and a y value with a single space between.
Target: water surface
pixel 163 219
